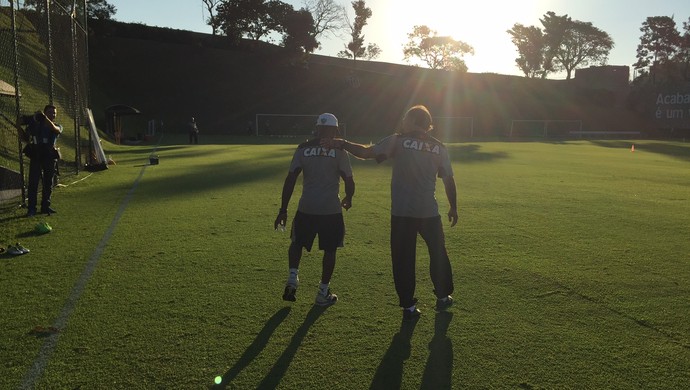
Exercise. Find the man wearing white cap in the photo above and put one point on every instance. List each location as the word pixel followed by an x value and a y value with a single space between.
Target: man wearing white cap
pixel 320 208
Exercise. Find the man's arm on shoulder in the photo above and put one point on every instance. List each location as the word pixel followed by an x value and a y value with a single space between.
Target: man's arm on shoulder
pixel 359 150
pixel 355 149
pixel 451 194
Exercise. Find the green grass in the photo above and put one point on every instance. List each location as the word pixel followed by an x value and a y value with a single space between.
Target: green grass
pixel 570 263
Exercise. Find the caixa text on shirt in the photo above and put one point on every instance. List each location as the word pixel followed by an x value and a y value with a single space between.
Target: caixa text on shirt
pixel 421 146
pixel 319 152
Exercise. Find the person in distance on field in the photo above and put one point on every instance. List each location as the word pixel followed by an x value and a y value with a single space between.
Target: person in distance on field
pixel 193 131
pixel 418 159
pixel 320 210
pixel 42 133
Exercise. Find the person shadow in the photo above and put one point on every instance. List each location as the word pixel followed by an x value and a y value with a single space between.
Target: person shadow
pixel 439 366
pixel 389 372
pixel 255 348
pixel 273 378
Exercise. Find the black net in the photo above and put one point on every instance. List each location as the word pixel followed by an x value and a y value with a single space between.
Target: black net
pixel 43 60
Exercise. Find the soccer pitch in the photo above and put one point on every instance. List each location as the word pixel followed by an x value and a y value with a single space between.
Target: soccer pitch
pixel 570 262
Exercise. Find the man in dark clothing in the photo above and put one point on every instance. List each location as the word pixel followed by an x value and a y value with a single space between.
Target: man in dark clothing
pixel 418 159
pixel 193 132
pixel 43 133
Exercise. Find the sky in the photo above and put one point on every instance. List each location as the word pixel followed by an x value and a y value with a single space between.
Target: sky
pixel 481 23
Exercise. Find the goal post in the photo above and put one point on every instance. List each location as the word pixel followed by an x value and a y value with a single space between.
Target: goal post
pixel 544 127
pixel 453 128
pixel 290 125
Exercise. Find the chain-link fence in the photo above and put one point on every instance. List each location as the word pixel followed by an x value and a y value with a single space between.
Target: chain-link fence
pixel 43 60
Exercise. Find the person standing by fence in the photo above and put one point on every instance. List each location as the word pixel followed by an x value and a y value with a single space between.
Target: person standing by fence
pixel 42 133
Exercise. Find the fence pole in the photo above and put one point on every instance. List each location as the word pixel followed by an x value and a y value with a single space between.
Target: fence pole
pixel 75 86
pixel 51 75
pixel 87 87
pixel 15 46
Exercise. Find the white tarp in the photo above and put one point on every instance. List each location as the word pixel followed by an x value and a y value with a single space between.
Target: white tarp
pixel 6 89
pixel 98 155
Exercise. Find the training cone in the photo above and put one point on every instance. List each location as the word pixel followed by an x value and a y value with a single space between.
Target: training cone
pixel 632 149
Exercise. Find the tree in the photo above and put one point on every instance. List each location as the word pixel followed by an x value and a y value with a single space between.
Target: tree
pixel 95 9
pixel 684 51
pixel 299 32
pixel 531 49
pixel 251 18
pixel 572 43
pixel 438 52
pixel 372 52
pixel 355 48
pixel 235 16
pixel 100 9
pixel 659 43
pixel 37 5
pixel 212 19
pixel 582 46
pixel 563 45
pixel 328 17
pixel 555 29
pixel 277 13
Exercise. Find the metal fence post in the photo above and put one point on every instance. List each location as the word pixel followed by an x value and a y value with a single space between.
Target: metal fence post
pixel 51 70
pixel 16 95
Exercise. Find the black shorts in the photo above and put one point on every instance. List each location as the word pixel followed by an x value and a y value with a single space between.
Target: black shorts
pixel 330 228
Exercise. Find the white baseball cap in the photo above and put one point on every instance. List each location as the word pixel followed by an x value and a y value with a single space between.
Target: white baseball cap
pixel 327 119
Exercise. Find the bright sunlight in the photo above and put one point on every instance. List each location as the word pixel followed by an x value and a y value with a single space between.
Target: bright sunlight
pixel 482 24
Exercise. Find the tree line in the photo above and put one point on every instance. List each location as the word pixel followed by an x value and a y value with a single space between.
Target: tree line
pixel 560 44
pixel 95 9
pixel 564 44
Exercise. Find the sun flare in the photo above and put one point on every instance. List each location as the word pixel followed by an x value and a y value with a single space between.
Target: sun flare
pixel 481 24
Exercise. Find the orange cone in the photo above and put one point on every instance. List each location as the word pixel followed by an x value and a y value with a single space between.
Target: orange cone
pixel 632 149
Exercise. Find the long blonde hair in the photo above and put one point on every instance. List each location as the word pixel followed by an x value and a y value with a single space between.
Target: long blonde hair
pixel 420 116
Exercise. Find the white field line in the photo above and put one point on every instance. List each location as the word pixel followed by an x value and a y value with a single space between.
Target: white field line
pixel 34 373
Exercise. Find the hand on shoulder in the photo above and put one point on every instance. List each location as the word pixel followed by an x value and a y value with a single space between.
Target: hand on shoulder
pixel 332 143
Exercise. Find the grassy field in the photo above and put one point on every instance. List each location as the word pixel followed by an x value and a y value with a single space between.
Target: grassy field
pixel 570 261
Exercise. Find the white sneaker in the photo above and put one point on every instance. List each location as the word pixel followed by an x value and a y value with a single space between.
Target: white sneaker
pixel 15 251
pixel 327 299
pixel 21 248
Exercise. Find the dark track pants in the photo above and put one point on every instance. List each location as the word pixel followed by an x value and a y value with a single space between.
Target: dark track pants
pixel 404 232
pixel 44 166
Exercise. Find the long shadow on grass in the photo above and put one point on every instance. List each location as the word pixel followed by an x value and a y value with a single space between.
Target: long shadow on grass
pixel 472 154
pixel 214 175
pixel 255 347
pixel 439 366
pixel 389 373
pixel 272 379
